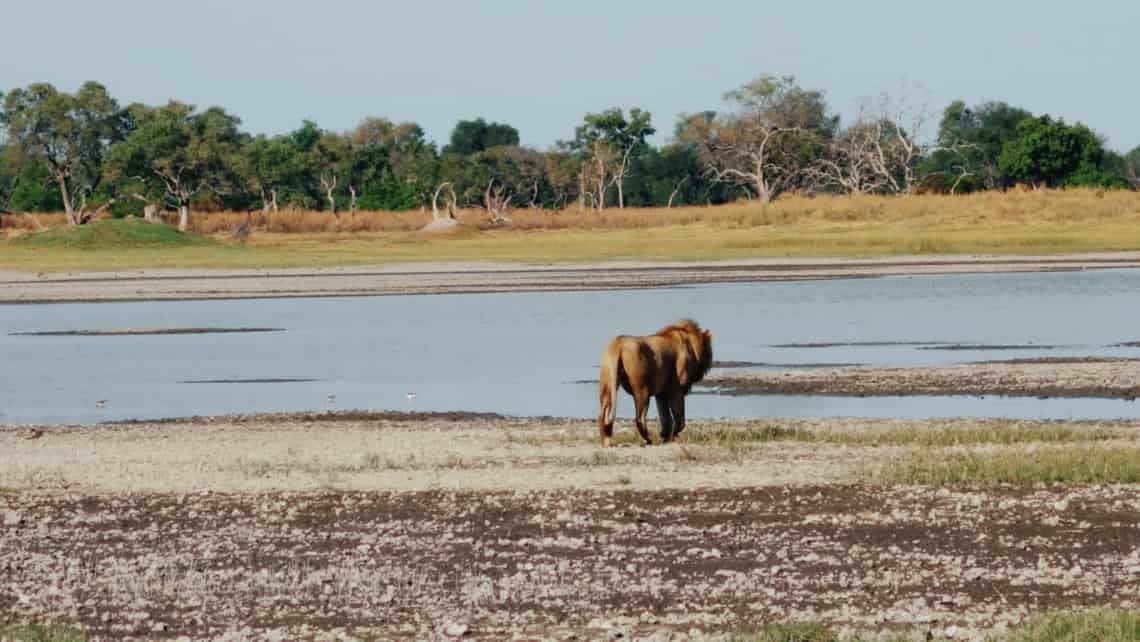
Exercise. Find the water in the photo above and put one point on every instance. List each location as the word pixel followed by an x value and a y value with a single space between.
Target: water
pixel 520 353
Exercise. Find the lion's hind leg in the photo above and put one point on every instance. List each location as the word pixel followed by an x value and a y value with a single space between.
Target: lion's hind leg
pixel 677 410
pixel 642 403
pixel 665 417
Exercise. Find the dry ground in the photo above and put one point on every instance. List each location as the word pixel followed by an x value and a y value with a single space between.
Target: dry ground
pixel 1103 377
pixel 402 526
pixel 490 276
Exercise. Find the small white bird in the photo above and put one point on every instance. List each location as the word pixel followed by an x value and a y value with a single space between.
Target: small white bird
pixel 411 396
pixel 100 403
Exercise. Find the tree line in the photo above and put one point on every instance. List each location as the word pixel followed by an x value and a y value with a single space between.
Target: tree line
pixel 83 153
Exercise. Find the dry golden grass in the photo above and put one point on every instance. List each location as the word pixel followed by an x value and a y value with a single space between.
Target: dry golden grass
pixel 1014 222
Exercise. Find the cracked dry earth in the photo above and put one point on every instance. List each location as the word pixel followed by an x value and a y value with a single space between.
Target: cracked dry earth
pixel 286 552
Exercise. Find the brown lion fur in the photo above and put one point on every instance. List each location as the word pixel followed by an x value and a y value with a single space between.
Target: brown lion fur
pixel 663 366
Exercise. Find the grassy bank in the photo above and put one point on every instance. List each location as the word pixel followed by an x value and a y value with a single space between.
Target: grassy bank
pixel 1044 222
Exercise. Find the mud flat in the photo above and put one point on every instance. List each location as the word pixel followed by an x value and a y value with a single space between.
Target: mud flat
pixel 1102 377
pixel 487 276
pixel 424 526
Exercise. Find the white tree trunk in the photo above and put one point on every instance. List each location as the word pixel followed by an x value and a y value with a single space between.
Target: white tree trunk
pixel 183 217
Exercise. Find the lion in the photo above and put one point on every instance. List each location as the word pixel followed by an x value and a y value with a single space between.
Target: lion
pixel 663 366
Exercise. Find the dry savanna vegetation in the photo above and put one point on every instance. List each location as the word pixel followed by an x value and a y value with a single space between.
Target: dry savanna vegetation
pixel 1012 222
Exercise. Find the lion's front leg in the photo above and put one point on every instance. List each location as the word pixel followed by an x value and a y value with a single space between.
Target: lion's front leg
pixel 665 416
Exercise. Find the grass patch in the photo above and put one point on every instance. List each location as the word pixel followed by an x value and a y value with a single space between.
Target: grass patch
pixel 737 439
pixel 1014 222
pixel 113 234
pixel 40 633
pixel 811 632
pixel 1093 626
pixel 1083 465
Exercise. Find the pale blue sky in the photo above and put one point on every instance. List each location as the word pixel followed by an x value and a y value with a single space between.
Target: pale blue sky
pixel 541 65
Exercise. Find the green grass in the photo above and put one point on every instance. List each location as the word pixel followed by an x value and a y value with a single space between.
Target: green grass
pixel 1093 626
pixel 1076 465
pixel 40 633
pixel 113 234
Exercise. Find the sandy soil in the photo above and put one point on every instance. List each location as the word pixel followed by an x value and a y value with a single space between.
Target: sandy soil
pixel 425 526
pixel 434 278
pixel 1046 377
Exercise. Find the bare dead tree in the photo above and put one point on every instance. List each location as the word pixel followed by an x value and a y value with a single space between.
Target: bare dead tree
pixel 352 199
pixel 898 123
pixel 328 183
pixel 676 190
pixel 445 219
pixel 598 176
pixel 497 203
pixel 747 159
pixel 849 162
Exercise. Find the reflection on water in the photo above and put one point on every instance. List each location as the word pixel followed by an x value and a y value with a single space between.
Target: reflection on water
pixel 516 353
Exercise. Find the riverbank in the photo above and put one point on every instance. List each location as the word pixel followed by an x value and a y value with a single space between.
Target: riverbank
pixel 398 525
pixel 491 276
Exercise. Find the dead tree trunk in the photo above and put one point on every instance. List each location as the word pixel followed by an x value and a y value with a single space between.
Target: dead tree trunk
pixel 352 199
pixel 183 216
pixel 442 221
pixel 496 203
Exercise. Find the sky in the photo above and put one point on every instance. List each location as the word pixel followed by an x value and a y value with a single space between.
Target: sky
pixel 540 65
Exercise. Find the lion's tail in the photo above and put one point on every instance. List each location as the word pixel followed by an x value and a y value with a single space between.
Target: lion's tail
pixel 608 379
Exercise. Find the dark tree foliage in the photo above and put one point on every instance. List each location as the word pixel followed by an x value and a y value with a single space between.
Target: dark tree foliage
pixel 1047 152
pixel 473 136
pixel 970 139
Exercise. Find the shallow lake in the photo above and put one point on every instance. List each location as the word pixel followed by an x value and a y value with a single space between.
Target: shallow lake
pixel 528 353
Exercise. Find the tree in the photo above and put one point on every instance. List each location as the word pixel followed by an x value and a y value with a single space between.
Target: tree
pixel 851 161
pixel 473 136
pixel 1048 152
pixel 970 139
pixel 390 165
pixel 1131 169
pixel 180 153
pixel 609 141
pixel 329 160
pixel 271 165
pixel 766 143
pixel 895 135
pixel 68 135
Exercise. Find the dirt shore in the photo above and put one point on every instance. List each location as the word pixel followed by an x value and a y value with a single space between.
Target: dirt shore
pixel 1103 377
pixel 437 526
pixel 470 277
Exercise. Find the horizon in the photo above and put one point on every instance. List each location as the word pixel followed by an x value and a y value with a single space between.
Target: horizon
pixel 274 66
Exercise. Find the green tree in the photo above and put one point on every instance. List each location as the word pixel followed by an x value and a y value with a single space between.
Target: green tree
pixel 1047 152
pixel 609 142
pixel 389 164
pixel 970 139
pixel 769 139
pixel 1131 167
pixel 32 189
pixel 66 134
pixel 180 153
pixel 272 165
pixel 473 136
